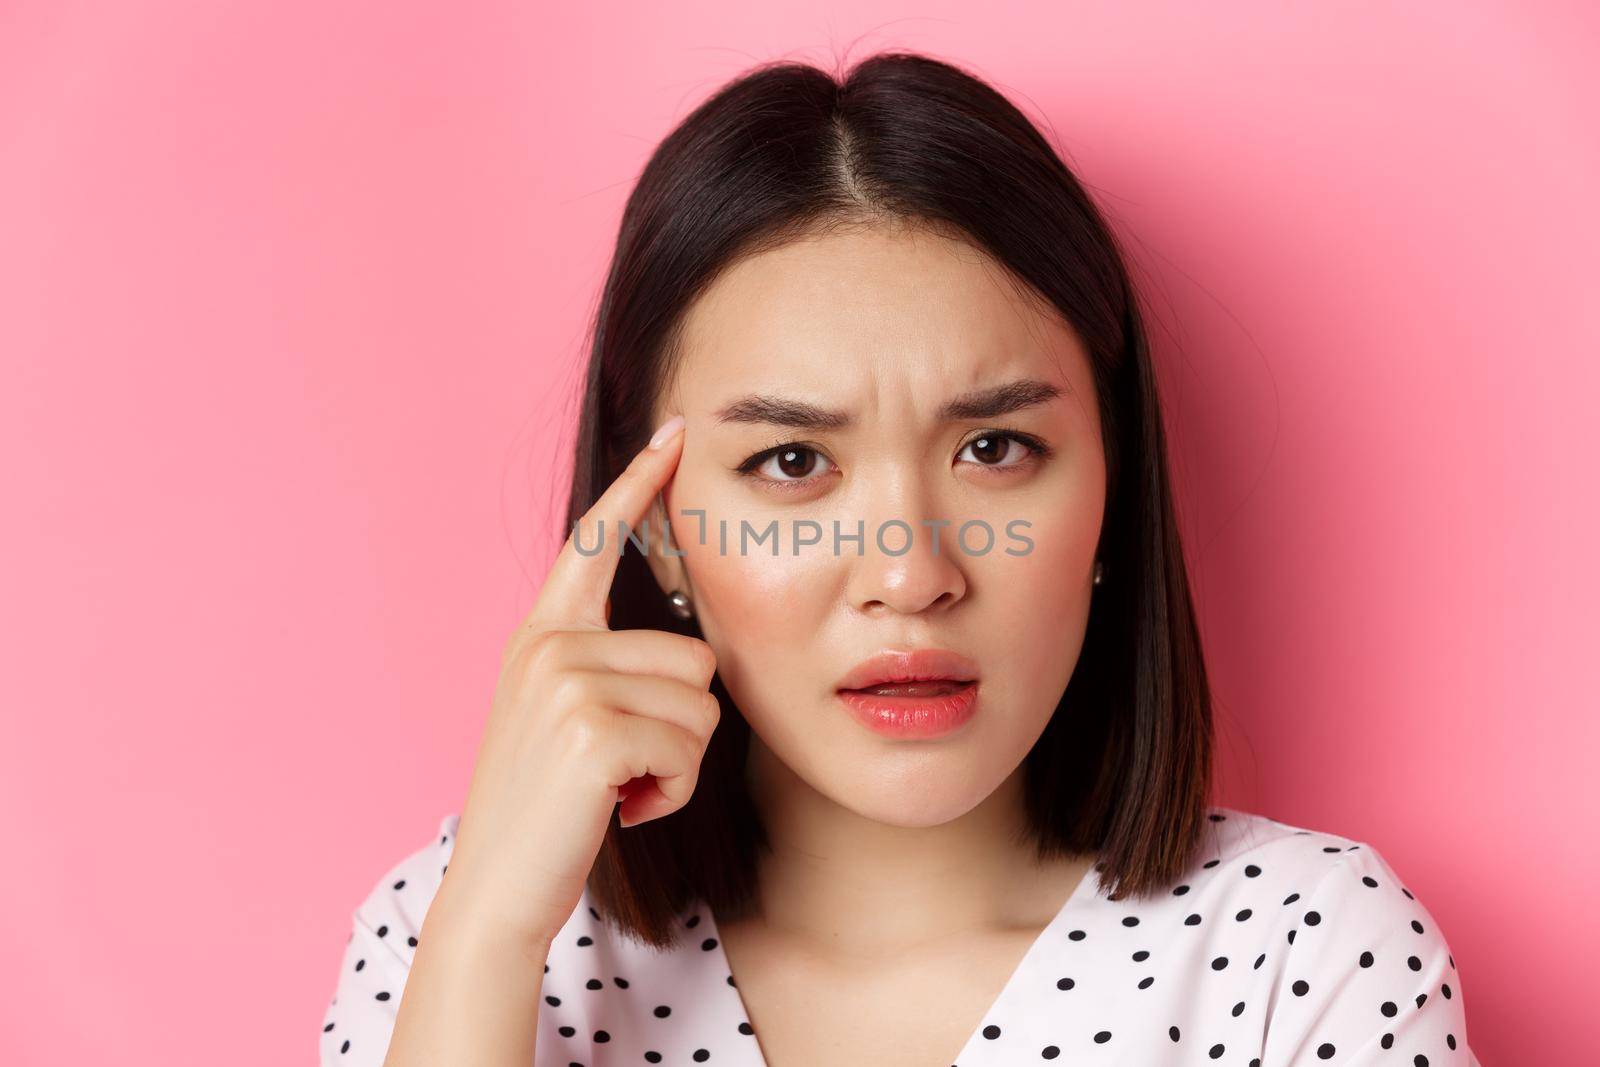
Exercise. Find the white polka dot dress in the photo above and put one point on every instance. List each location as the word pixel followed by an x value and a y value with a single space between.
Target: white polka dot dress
pixel 1282 947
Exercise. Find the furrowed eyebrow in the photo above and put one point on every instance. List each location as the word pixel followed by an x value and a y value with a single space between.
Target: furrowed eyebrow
pixel 776 411
pixel 999 400
pixel 987 403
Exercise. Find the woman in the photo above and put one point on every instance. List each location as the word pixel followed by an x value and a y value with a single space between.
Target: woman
pixel 899 686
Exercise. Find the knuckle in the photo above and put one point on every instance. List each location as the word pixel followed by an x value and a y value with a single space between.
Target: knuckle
pixel 569 690
pixel 706 657
pixel 515 644
pixel 585 735
pixel 694 747
pixel 543 652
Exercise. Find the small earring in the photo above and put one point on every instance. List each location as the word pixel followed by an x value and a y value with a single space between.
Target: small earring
pixel 679 602
pixel 1099 570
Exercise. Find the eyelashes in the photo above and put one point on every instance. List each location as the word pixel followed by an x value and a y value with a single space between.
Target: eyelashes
pixel 1037 452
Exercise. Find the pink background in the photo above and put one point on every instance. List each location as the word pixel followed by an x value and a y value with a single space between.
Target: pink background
pixel 291 301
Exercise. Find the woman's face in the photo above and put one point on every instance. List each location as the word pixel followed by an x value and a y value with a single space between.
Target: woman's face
pixel 884 327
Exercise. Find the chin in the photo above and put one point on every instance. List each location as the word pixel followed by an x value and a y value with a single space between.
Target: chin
pixel 917 792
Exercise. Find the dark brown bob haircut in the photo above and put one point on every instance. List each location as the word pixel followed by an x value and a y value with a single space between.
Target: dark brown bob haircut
pixel 1124 766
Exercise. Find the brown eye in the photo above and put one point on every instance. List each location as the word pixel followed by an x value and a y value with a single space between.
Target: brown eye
pixel 999 450
pixel 785 465
pixel 795 462
pixel 990 450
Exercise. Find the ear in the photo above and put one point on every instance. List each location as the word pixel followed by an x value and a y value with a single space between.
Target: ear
pixel 665 563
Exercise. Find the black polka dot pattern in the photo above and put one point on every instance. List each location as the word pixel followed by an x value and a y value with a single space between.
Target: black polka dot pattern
pixel 378 954
pixel 1280 945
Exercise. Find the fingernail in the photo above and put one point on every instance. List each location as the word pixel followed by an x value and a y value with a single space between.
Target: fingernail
pixel 666 430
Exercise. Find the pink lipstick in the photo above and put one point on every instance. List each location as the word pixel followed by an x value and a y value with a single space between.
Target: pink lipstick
pixel 915 694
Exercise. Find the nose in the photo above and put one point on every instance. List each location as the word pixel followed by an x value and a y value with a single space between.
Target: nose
pixel 909 562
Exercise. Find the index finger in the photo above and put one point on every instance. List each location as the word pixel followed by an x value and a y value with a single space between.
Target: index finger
pixel 577 586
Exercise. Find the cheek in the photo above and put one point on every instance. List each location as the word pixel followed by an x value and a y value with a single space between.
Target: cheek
pixel 754 595
pixel 761 613
pixel 1045 594
pixel 1061 554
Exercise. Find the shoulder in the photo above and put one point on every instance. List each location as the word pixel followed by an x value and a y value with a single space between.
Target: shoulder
pixel 1245 855
pixel 1250 840
pixel 1332 880
pixel 1329 867
pixel 390 912
pixel 399 900
pixel 377 955
pixel 1360 963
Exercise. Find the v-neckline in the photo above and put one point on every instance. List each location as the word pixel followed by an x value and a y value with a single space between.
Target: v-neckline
pixel 1087 888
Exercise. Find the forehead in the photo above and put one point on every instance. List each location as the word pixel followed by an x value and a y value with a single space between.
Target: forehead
pixel 891 307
